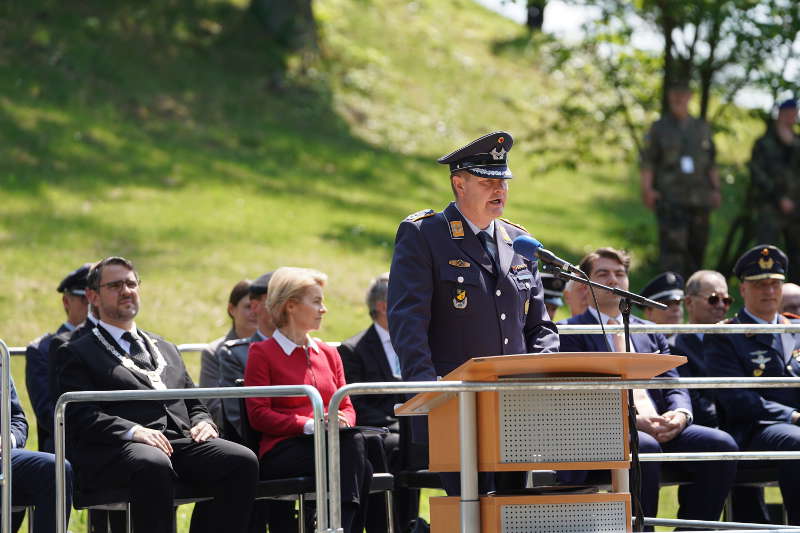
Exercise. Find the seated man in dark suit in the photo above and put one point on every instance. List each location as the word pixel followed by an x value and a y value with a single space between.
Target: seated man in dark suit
pixel 33 475
pixel 761 419
pixel 37 354
pixel 146 446
pixel 707 301
pixel 664 417
pixel 369 357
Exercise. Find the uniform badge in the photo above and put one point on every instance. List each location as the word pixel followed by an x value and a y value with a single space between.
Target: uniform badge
pixel 504 234
pixel 527 305
pixel 760 360
pixel 796 354
pixel 460 263
pixel 456 229
pixel 460 298
pixel 757 372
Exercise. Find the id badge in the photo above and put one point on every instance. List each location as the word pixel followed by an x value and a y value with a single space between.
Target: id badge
pixel 687 164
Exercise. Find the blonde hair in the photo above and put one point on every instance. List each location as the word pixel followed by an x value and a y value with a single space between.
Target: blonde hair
pixel 289 284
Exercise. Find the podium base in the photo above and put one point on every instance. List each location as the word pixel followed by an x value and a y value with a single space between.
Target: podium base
pixel 565 513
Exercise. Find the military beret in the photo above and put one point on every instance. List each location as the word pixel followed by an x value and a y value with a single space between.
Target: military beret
pixel 259 286
pixel 553 289
pixel 790 103
pixel 666 287
pixel 76 281
pixel 486 157
pixel 764 261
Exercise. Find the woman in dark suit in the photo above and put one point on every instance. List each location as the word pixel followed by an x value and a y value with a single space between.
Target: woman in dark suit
pixel 292 357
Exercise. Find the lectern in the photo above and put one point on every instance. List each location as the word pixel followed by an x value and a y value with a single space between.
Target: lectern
pixel 535 430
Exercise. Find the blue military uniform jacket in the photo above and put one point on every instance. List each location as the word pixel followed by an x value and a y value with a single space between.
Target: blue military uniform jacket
pixel 703 406
pixel 448 305
pixel 742 411
pixel 663 399
pixel 37 380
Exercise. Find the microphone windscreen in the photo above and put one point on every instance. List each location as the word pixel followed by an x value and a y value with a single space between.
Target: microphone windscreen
pixel 527 246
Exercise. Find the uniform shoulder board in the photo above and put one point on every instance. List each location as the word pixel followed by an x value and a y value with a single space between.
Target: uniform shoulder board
pixel 520 226
pixel 419 215
pixel 791 316
pixel 237 342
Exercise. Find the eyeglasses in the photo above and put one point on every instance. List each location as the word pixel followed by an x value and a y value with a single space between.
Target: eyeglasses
pixel 116 286
pixel 714 299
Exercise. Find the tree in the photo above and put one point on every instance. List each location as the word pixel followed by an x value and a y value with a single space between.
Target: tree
pixel 290 24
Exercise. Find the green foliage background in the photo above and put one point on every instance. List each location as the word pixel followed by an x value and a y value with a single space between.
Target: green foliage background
pixel 156 130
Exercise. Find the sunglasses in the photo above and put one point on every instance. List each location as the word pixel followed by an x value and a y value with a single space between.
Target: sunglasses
pixel 714 299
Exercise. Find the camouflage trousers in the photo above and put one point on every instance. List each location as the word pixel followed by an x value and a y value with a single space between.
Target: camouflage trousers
pixel 683 235
pixel 773 227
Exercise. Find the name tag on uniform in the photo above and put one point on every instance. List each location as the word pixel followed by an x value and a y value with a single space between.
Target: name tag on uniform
pixel 687 164
pixel 524 275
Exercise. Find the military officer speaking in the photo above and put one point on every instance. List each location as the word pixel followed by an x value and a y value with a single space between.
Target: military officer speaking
pixel 457 290
pixel 761 419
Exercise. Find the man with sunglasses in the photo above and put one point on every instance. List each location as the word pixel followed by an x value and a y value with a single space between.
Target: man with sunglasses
pixel 707 301
pixel 761 419
pixel 146 446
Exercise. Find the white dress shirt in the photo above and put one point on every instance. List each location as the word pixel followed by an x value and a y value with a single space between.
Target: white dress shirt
pixel 388 349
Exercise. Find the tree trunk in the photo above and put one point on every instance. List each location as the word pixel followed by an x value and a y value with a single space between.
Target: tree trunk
pixel 535 19
pixel 291 24
pixel 667 27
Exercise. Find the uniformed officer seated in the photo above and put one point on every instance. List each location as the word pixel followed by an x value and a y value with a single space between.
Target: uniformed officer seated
pixel 666 288
pixel 553 290
pixel 761 419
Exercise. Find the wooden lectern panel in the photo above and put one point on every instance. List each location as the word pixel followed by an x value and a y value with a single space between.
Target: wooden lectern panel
pixel 558 512
pixel 612 364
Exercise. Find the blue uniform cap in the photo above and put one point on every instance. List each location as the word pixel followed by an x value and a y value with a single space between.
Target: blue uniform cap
pixel 486 157
pixel 666 287
pixel 76 281
pixel 553 289
pixel 791 103
pixel 764 261
pixel 259 286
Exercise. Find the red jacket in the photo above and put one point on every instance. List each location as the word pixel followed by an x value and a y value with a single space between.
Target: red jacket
pixel 278 419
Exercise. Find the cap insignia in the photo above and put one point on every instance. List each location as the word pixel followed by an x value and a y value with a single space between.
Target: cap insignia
pixel 766 263
pixel 497 155
pixel 501 140
pixel 671 278
pixel 765 252
pixel 456 229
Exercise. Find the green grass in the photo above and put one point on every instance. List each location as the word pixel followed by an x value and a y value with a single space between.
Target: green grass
pixel 154 130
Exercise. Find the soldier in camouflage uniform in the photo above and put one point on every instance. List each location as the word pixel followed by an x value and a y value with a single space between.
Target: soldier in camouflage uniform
pixel 774 188
pixel 680 182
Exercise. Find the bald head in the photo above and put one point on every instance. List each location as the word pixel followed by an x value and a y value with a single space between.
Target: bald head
pixel 706 294
pixel 791 299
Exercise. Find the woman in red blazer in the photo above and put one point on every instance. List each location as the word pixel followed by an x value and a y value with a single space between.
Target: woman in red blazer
pixel 291 357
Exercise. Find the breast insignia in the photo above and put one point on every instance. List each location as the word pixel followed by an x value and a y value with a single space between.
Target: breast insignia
pixel 419 215
pixel 237 342
pixel 520 226
pixel 460 263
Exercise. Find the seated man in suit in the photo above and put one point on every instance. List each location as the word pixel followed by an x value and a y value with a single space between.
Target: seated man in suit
pixel 791 299
pixel 146 446
pixel 33 475
pixel 369 357
pixel 761 419
pixel 37 354
pixel 664 417
pixel 707 301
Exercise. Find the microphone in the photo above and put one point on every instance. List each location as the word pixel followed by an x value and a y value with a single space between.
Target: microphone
pixel 530 248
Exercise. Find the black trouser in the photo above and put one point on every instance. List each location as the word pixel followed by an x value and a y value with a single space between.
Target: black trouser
pixel 223 469
pixel 295 457
pixel 386 458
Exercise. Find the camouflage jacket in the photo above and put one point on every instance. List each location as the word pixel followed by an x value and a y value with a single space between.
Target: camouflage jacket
pixel 774 169
pixel 669 141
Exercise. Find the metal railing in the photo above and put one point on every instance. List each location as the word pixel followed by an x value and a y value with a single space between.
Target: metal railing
pixel 5 436
pixel 666 329
pixel 183 394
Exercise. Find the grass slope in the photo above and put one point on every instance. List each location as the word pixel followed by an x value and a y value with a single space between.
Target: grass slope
pixel 154 130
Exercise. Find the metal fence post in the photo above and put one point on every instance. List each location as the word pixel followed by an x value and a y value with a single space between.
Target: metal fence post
pixel 5 434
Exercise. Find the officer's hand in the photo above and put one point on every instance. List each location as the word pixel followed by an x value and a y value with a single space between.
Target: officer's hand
pixel 649 424
pixel 715 199
pixel 203 431
pixel 650 196
pixel 153 438
pixel 674 423
pixel 787 206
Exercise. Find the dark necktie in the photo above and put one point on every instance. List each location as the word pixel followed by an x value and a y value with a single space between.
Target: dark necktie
pixel 484 238
pixel 139 356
